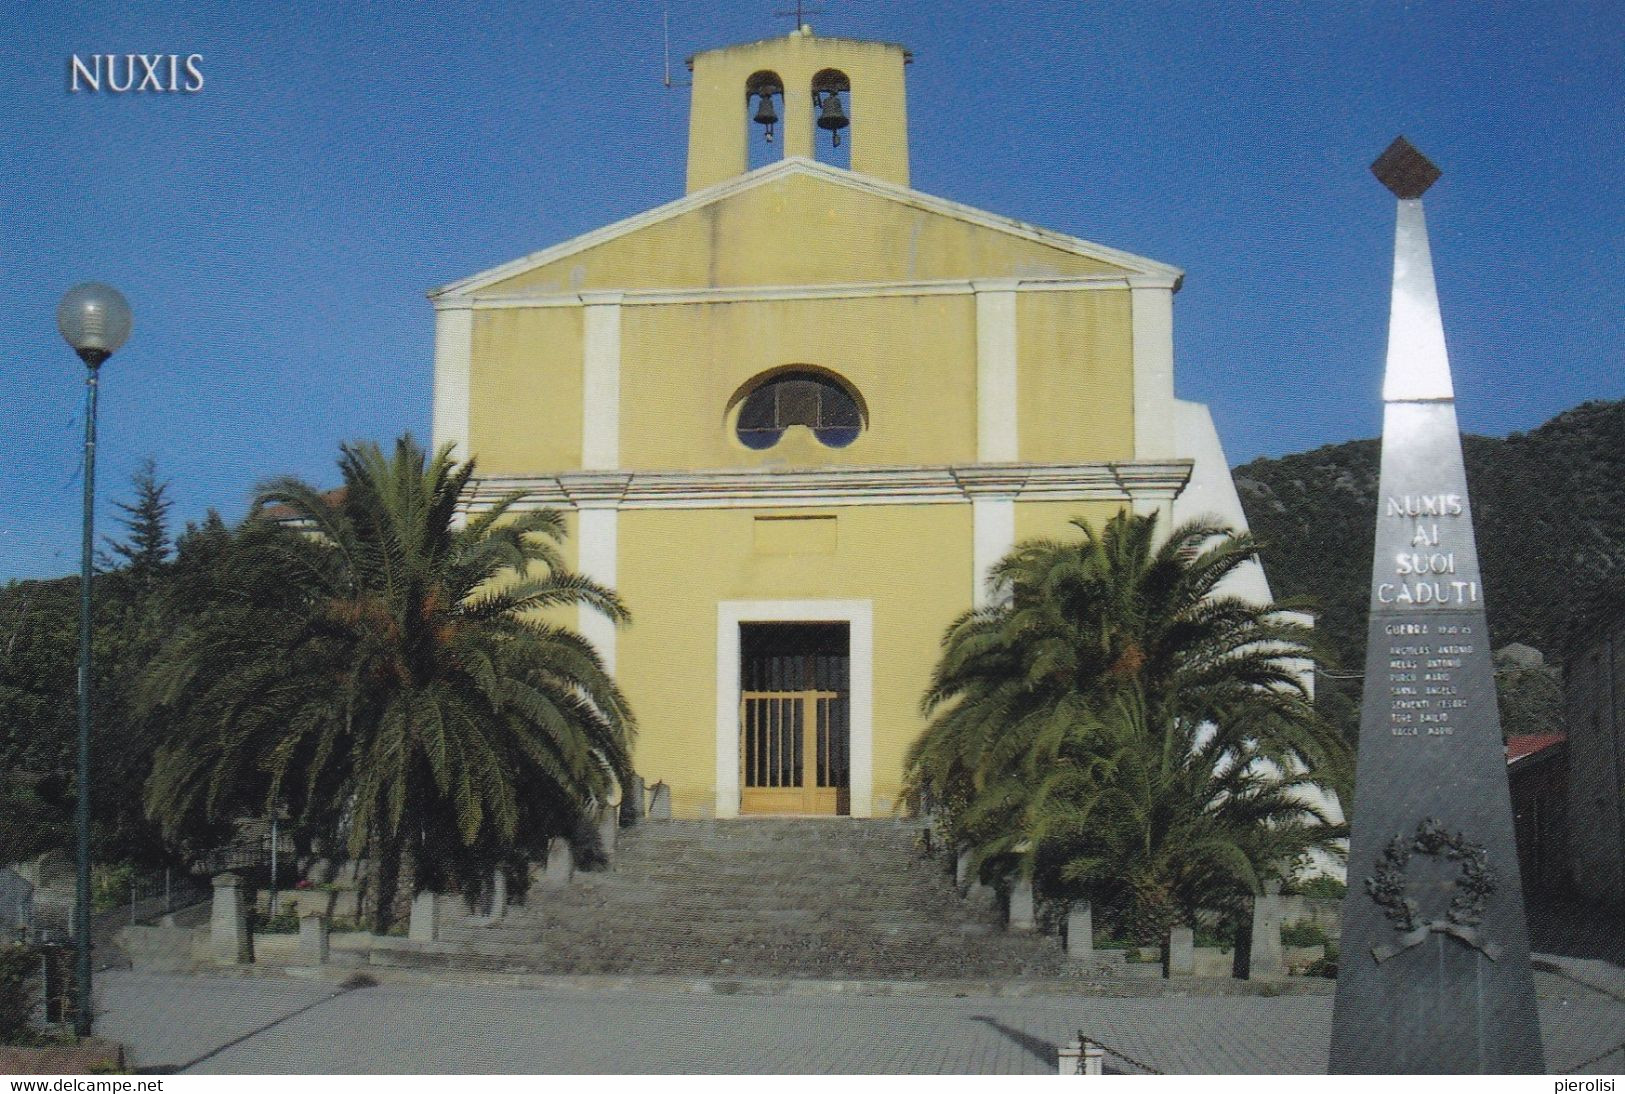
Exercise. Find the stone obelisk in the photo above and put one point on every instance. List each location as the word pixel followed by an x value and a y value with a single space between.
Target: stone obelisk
pixel 1434 969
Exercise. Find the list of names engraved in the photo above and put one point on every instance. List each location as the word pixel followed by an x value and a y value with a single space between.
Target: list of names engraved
pixel 1425 699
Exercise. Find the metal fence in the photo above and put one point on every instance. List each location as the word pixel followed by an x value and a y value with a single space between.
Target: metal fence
pixel 160 892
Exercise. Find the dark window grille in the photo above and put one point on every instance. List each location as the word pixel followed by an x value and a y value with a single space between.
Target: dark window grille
pixel 799 398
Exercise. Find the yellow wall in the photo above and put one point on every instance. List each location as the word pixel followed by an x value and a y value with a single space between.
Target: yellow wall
pixel 800 230
pixel 1074 376
pixel 525 390
pixel 913 562
pixel 1053 519
pixel 912 360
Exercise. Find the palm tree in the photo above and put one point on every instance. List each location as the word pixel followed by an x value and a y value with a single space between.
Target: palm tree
pixel 390 676
pixel 1117 726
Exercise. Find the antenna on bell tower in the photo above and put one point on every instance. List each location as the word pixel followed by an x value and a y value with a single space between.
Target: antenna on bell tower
pixel 801 13
pixel 665 39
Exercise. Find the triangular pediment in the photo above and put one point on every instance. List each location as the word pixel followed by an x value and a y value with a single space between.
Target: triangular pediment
pixel 795 223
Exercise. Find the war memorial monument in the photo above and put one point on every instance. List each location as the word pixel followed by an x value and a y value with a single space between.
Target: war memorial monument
pixel 1435 974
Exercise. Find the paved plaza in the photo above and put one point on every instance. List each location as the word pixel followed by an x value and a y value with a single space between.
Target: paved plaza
pixel 252 1025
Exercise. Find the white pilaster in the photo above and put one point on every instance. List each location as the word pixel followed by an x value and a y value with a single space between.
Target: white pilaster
pixel 601 382
pixel 1153 318
pixel 993 534
pixel 996 433
pixel 597 528
pixel 453 353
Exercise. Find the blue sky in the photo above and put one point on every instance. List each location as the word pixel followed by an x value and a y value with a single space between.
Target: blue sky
pixel 275 232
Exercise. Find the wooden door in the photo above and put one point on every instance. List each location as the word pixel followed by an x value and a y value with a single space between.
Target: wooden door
pixel 793 727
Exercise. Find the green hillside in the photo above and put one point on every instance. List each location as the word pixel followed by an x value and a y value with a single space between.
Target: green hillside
pixel 1549 510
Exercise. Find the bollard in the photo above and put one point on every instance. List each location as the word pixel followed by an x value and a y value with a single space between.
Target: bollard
pixel 1180 953
pixel 609 827
pixel 1080 1056
pixel 660 802
pixel 499 893
pixel 1069 1058
pixel 561 864
pixel 1080 933
pixel 1021 905
pixel 1094 1059
pixel 313 939
pixel 1266 960
pixel 424 925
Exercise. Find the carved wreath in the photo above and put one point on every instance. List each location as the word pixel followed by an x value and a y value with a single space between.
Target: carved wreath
pixel 1473 886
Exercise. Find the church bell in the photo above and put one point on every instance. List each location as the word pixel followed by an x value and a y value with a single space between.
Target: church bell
pixel 832 117
pixel 766 115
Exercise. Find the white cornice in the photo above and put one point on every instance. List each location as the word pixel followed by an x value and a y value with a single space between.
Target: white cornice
pixel 795 165
pixel 752 488
pixel 745 294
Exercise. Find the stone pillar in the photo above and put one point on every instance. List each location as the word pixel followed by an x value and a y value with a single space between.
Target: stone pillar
pixel 1266 961
pixel 1181 953
pixel 499 893
pixel 230 941
pixel 609 828
pixel 561 864
pixel 313 939
pixel 1021 906
pixel 1080 932
pixel 660 802
pixel 424 925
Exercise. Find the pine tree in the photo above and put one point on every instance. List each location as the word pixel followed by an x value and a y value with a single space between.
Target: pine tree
pixel 148 545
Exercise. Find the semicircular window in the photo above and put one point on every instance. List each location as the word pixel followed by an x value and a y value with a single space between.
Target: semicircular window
pixel 799 398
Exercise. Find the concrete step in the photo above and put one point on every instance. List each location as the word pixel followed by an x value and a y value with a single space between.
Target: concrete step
pixel 806 898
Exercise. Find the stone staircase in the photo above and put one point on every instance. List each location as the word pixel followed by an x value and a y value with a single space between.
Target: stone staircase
pixel 825 899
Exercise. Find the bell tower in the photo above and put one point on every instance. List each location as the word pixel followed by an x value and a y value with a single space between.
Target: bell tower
pixel 829 89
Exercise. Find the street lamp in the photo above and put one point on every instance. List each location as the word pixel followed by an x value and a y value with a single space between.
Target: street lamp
pixel 95 320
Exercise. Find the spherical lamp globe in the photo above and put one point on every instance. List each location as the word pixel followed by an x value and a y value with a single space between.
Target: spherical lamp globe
pixel 95 320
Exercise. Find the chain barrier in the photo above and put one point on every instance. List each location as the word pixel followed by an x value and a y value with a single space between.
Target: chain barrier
pixel 1599 989
pixel 1110 1051
pixel 1599 1056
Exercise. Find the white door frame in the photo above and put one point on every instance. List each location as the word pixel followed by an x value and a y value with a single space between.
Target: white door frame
pixel 859 617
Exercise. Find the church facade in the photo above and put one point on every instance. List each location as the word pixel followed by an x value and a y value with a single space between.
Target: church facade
pixel 794 416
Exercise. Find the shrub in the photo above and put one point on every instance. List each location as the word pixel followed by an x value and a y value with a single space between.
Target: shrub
pixel 1114 943
pixel 1326 966
pixel 1303 932
pixel 286 923
pixel 1319 887
pixel 19 975
pixel 110 887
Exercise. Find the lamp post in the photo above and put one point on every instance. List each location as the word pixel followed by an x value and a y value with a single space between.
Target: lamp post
pixel 95 320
